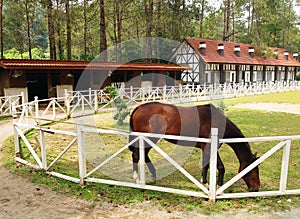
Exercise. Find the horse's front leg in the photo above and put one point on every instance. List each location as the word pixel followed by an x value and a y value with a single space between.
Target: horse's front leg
pixel 221 170
pixel 205 166
pixel 135 161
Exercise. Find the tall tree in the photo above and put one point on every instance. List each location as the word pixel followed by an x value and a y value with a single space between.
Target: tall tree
pixel 51 32
pixel 103 41
pixel 69 30
pixel 148 6
pixel 27 6
pixel 227 8
pixel 1 31
pixel 58 28
pixel 85 28
pixel 158 31
pixel 117 23
pixel 201 18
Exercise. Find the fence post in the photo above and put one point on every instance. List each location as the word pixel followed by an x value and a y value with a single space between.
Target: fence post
pixel 213 164
pixel 95 101
pixel 142 160
pixel 81 153
pixel 90 95
pixel 53 109
pixel 17 142
pixel 67 104
pixel 43 149
pixel 164 93
pixel 36 106
pixel 180 93
pixel 285 166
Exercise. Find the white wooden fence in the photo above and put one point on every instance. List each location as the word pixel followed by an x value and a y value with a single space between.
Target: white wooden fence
pixel 8 104
pixel 86 102
pixel 44 162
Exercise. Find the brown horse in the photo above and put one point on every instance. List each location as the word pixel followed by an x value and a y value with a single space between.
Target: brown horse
pixel 194 121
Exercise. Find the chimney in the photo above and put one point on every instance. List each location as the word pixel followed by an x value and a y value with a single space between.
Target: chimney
pixel 202 48
pixel 251 51
pixel 221 49
pixel 295 55
pixel 276 54
pixel 237 50
pixel 286 55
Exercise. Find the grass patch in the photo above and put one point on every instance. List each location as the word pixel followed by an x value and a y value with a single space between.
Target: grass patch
pixel 252 123
pixel 283 97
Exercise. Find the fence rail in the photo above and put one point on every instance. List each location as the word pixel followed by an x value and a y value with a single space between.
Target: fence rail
pixel 78 103
pixel 8 104
pixel 41 160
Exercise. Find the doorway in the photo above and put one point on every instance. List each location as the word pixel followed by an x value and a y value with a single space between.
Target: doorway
pixel 37 85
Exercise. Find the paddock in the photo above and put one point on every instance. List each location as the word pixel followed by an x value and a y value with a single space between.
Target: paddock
pixel 40 159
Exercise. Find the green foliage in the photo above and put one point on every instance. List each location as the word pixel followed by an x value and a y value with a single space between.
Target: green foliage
pixel 12 54
pixel 298 76
pixel 122 108
pixel 271 24
pixel 37 53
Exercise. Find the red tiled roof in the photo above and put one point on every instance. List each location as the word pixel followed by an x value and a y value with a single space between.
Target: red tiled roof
pixel 212 55
pixel 81 65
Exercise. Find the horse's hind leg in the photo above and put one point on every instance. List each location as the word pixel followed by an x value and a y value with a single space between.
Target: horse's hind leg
pixel 135 161
pixel 150 165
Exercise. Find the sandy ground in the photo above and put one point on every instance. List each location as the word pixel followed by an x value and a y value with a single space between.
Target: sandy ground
pixel 22 199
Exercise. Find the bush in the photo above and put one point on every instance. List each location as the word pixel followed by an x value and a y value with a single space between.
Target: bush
pixel 298 77
pixel 121 105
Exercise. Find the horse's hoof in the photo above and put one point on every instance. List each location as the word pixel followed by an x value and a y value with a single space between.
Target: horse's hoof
pixel 218 188
pixel 206 185
pixel 136 177
pixel 153 180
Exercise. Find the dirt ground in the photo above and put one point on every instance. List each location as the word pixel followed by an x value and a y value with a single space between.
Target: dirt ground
pixel 21 199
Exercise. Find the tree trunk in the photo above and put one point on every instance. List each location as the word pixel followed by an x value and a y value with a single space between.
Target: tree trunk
pixel 148 43
pixel 85 29
pixel 69 31
pixel 103 42
pixel 59 40
pixel 158 32
pixel 51 31
pixel 28 28
pixel 1 31
pixel 226 19
pixel 201 18
pixel 118 13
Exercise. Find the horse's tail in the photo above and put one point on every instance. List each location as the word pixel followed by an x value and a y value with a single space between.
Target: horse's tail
pixel 131 138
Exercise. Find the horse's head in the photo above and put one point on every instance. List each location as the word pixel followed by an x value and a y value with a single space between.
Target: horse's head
pixel 252 177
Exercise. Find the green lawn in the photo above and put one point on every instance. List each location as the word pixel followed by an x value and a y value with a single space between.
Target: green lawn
pixel 285 97
pixel 252 123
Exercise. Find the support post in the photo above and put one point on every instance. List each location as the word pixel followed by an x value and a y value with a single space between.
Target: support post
pixel 43 150
pixel 16 142
pixel 142 160
pixel 53 109
pixel 95 101
pixel 36 107
pixel 285 166
pixel 213 164
pixel 67 104
pixel 81 153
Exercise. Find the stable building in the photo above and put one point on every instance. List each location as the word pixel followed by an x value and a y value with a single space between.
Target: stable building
pixel 47 78
pixel 229 62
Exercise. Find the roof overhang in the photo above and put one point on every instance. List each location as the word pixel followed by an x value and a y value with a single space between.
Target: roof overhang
pixel 81 65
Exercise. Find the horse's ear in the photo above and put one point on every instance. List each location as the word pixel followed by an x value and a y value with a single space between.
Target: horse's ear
pixel 255 155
